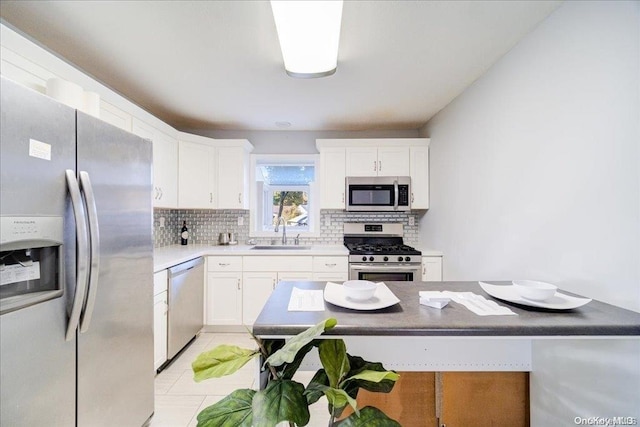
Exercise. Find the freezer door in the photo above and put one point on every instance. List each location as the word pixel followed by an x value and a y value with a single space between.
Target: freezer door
pixel 37 365
pixel 115 340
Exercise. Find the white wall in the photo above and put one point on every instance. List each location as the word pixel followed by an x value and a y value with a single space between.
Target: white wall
pixel 535 167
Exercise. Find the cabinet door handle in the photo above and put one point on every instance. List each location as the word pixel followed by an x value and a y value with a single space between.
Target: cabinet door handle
pixel 210 197
pixel 238 284
pixel 240 198
pixel 330 264
pixel 160 198
pixel 411 197
pixel 274 284
pixel 379 165
pixel 342 197
pixel 223 264
pixel 375 166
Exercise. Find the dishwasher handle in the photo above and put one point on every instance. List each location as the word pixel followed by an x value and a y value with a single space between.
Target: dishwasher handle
pixel 184 267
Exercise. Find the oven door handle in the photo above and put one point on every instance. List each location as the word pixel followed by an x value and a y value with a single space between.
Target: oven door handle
pixel 396 194
pixel 390 268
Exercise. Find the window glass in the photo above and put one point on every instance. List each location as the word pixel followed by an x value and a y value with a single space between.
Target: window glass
pixel 285 195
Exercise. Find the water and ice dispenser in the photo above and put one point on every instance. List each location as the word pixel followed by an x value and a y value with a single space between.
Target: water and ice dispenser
pixel 31 261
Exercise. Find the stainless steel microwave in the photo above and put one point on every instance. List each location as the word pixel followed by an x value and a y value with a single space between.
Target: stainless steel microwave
pixel 378 193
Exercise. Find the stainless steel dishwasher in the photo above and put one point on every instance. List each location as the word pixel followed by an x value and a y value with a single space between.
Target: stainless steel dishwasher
pixel 186 294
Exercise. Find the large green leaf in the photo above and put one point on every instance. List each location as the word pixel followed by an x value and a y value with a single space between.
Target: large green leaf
pixel 291 368
pixel 374 376
pixel 288 353
pixel 333 355
pixel 369 417
pixel 315 388
pixel 222 360
pixel 358 365
pixel 339 399
pixel 233 410
pixel 282 400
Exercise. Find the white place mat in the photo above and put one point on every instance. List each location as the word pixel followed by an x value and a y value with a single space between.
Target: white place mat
pixel 306 300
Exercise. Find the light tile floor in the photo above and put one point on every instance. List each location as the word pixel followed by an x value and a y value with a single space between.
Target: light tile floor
pixel 179 399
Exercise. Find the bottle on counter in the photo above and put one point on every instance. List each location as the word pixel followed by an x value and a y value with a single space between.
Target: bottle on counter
pixel 184 233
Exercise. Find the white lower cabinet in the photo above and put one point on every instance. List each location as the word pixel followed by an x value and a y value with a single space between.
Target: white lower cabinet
pixel 257 289
pixel 432 269
pixel 239 286
pixel 330 268
pixel 160 311
pixel 223 303
pixel 260 276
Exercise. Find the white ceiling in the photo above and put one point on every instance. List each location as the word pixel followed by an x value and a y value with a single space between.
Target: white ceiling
pixel 217 64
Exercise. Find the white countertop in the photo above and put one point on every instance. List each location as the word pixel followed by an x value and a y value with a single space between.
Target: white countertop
pixel 168 256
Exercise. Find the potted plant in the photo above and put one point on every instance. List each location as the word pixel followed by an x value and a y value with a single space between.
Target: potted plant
pixel 285 400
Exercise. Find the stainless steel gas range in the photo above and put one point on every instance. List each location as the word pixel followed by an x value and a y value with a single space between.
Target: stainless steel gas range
pixel 377 252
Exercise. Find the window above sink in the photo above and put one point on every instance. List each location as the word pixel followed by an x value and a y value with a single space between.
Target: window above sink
pixel 284 186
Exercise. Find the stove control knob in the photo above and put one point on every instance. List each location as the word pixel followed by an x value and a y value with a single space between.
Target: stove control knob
pixel 370 258
pixel 386 258
pixel 407 258
pixel 364 258
pixel 400 259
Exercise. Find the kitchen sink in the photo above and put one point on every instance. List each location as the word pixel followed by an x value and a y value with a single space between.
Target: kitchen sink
pixel 281 247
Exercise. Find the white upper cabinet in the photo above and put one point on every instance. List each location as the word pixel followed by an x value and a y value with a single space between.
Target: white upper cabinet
pixel 392 161
pixel 233 174
pixel 419 172
pixel 165 164
pixel 340 158
pixel 361 161
pixel 332 178
pixel 213 174
pixel 196 176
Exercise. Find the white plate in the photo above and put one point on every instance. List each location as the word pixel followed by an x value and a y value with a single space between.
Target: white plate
pixel 382 298
pixel 558 301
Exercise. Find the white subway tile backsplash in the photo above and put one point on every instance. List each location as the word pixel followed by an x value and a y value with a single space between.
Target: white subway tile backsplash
pixel 205 225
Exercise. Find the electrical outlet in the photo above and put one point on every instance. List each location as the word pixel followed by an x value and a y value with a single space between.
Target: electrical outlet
pixel 161 222
pixel 240 220
pixel 412 220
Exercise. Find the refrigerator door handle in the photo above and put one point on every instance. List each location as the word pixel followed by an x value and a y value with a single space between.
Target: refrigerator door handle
pixel 94 241
pixel 82 264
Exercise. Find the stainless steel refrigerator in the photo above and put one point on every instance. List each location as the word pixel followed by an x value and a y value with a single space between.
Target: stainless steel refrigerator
pixel 76 267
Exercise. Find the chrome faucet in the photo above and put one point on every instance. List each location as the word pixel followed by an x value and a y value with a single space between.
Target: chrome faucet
pixel 284 229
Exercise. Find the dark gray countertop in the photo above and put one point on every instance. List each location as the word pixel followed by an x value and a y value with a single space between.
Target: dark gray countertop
pixel 409 318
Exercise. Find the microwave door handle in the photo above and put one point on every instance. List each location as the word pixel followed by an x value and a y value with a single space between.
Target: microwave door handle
pixel 82 275
pixel 396 192
pixel 94 272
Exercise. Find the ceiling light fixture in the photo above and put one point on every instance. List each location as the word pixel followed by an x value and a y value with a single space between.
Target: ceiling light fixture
pixel 309 33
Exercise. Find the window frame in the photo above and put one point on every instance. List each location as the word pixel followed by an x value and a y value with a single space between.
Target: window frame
pixel 255 207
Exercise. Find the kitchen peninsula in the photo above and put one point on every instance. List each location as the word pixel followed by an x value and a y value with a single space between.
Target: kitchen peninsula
pixel 412 337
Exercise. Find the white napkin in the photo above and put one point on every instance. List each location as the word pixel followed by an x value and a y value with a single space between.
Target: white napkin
pixel 306 300
pixel 434 299
pixel 479 304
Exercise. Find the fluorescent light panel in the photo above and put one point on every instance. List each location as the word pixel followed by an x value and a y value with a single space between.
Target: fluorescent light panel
pixel 309 33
